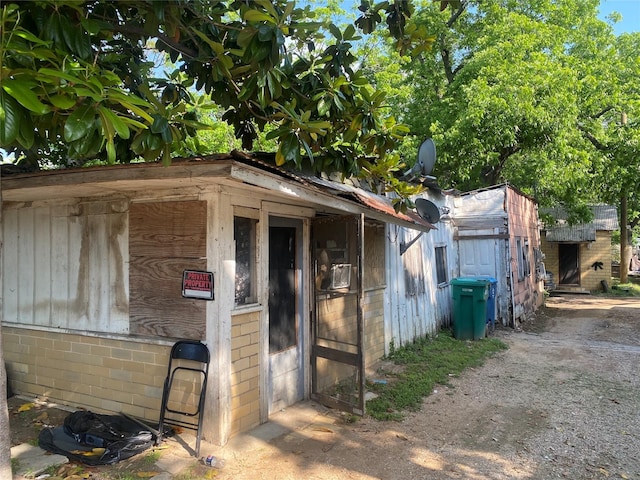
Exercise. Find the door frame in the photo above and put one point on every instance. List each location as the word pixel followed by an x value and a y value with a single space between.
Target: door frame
pixel 294 213
pixel 576 246
pixel 333 352
pixel 293 355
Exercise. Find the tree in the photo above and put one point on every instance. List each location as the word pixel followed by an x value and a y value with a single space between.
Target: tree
pixel 509 93
pixel 78 86
pixel 612 127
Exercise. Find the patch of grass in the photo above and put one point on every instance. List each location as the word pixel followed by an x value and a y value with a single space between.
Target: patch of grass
pixel 427 362
pixel 631 289
pixel 151 457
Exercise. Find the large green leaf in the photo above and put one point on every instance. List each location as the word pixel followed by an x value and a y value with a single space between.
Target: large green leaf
pixel 10 116
pixel 26 136
pixel 79 123
pixel 161 125
pixel 20 90
pixel 257 16
pixel 62 101
pixel 117 123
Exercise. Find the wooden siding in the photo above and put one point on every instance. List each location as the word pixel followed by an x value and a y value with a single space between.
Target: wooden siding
pixel 165 238
pixel 416 305
pixel 64 266
pixel 374 256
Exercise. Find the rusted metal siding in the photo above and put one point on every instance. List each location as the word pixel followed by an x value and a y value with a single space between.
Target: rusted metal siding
pixel 524 227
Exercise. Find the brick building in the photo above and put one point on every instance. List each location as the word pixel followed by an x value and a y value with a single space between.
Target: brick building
pixel 579 256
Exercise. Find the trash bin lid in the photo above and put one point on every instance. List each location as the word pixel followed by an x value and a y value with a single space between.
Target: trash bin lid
pixel 470 281
pixel 487 278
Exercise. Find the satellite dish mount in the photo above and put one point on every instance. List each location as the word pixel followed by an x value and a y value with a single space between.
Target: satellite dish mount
pixel 428 211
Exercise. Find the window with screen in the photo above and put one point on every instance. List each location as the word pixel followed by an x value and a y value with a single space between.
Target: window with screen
pixel 244 235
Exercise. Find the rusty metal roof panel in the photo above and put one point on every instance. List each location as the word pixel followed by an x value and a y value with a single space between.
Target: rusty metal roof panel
pixel 365 198
pixel 605 218
pixel 572 233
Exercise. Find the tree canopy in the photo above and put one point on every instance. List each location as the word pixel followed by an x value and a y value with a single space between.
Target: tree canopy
pixel 530 93
pixel 79 84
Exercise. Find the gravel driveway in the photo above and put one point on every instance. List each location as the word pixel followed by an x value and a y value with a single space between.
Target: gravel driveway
pixel 562 402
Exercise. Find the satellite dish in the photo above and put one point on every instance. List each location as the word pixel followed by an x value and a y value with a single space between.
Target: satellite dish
pixel 428 210
pixel 427 156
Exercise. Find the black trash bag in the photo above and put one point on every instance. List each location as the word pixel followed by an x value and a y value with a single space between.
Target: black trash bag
pixel 96 439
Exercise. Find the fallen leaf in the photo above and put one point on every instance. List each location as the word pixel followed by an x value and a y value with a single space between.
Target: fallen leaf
pixel 604 471
pixel 25 407
pixel 146 474
pixel 320 428
pixel 42 418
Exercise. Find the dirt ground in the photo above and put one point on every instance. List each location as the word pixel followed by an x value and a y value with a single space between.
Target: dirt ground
pixel 562 402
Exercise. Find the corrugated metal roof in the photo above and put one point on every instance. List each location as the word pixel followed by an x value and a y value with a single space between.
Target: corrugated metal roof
pixel 605 218
pixel 572 233
pixel 111 179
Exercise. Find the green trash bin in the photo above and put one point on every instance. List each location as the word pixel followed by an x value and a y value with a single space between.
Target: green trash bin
pixel 470 307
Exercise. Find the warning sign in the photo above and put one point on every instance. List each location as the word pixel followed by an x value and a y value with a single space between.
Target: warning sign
pixel 197 284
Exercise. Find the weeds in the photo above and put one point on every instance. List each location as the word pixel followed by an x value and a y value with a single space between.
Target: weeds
pixel 427 362
pixel 631 289
pixel 151 457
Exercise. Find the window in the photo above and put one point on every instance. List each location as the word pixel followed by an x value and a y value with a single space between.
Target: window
pixel 525 258
pixel 522 255
pixel 244 235
pixel 441 265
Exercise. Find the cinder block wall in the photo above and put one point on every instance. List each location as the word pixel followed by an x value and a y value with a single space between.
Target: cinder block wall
pixel 245 372
pixel 550 250
pixel 598 251
pixel 101 374
pixel 374 341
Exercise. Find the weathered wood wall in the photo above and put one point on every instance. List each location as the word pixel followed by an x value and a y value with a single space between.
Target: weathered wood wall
pixel 166 238
pixel 416 304
pixel 64 265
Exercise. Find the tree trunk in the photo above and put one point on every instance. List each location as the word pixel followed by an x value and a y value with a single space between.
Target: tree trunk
pixel 5 434
pixel 624 259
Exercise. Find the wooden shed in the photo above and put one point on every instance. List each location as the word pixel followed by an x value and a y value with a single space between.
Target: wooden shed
pixel 497 232
pixel 299 294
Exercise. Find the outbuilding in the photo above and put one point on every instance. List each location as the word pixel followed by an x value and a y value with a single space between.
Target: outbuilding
pixel 498 236
pixel 295 283
pixel 578 256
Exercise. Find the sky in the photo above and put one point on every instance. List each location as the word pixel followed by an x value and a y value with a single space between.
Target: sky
pixel 630 11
